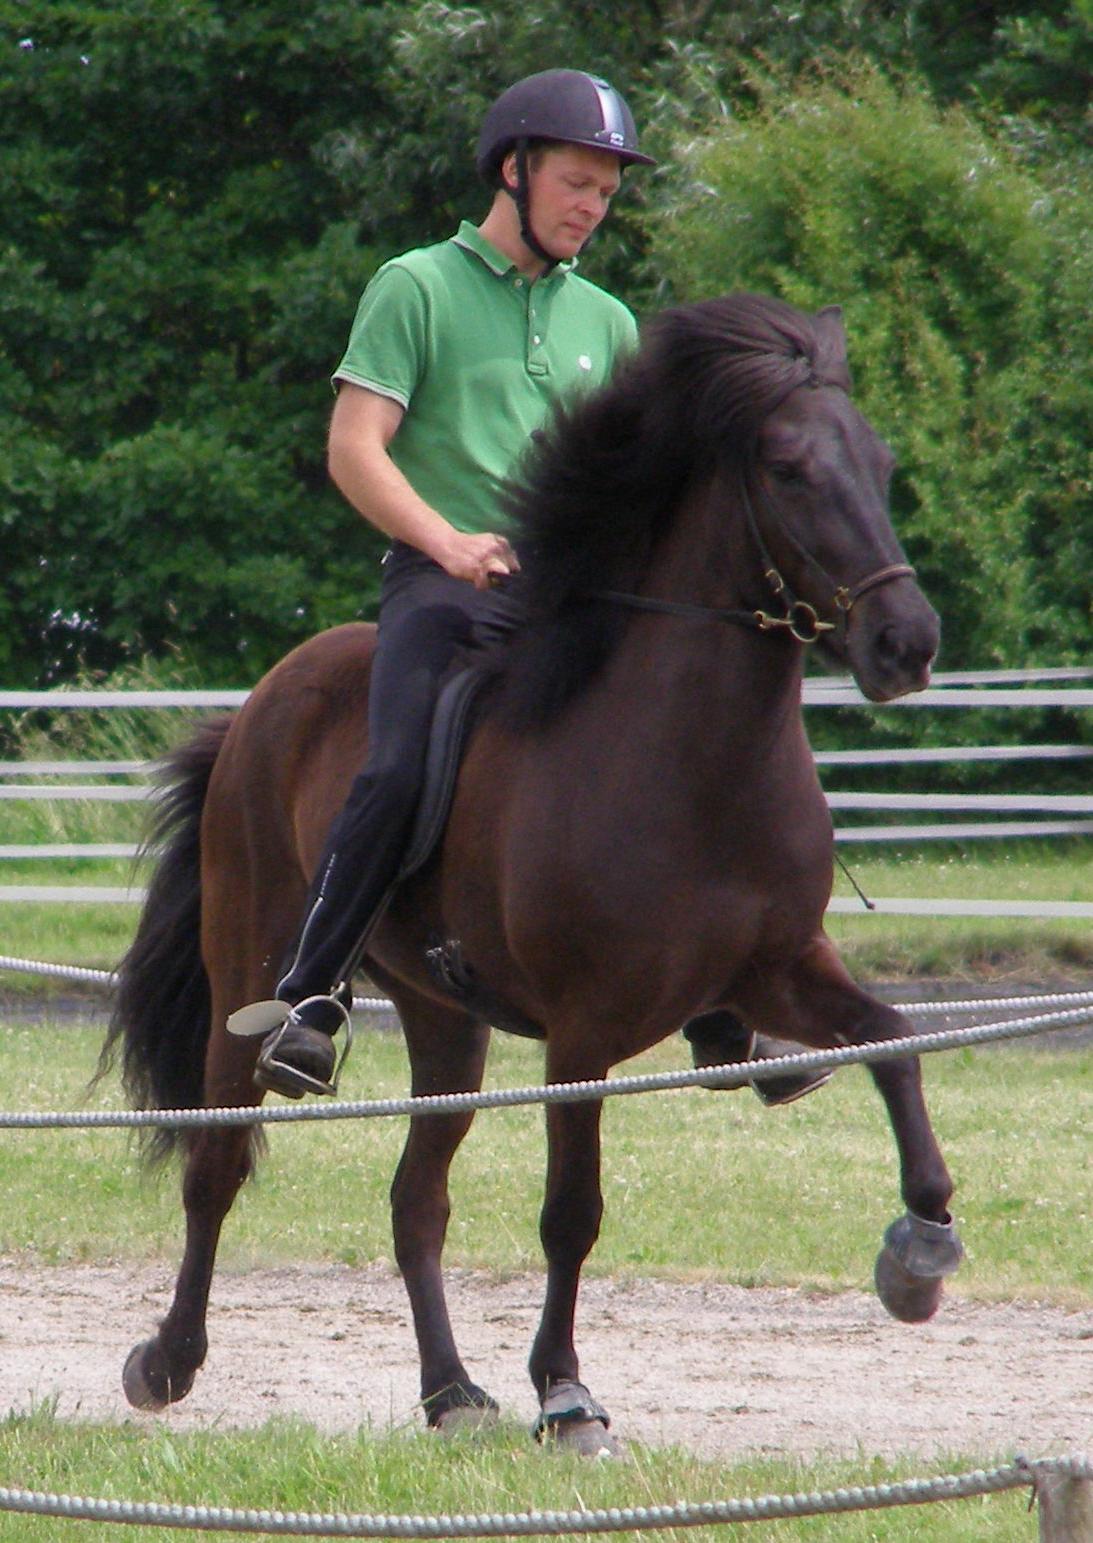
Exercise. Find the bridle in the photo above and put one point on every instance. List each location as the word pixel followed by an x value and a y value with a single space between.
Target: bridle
pixel 799 617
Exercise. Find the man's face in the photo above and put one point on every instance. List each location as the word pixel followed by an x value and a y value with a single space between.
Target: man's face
pixel 571 189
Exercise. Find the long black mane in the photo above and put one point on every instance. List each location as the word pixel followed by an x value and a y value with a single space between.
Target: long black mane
pixel 601 486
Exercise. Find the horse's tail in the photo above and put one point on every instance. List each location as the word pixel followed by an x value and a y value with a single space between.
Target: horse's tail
pixel 162 1010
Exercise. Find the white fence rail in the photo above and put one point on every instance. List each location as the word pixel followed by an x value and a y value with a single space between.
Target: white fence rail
pixel 1045 814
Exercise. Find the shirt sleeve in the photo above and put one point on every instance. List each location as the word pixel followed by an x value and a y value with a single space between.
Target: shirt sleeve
pixel 388 345
pixel 627 336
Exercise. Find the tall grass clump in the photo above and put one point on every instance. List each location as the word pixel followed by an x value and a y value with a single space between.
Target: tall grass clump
pixel 291 1466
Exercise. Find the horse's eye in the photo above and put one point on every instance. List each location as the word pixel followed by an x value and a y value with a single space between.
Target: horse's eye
pixel 782 471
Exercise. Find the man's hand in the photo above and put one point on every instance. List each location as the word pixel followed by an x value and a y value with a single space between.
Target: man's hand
pixel 478 559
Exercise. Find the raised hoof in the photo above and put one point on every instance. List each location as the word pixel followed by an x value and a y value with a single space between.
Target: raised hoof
pixel 911 1267
pixel 910 1298
pixel 587 1438
pixel 466 1420
pixel 722 1043
pixel 782 1087
pixel 149 1390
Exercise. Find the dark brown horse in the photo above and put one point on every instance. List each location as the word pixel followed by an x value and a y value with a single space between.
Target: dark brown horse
pixel 637 837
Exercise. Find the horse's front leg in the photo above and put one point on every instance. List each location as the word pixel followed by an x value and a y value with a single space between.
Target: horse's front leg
pixel 922 1247
pixel 823 1006
pixel 569 1226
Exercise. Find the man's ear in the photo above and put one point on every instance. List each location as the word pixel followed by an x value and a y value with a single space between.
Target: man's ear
pixel 508 172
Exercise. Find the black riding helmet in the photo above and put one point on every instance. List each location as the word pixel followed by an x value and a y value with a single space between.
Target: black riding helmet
pixel 562 106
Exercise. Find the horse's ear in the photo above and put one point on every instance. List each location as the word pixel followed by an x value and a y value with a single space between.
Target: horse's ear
pixel 831 365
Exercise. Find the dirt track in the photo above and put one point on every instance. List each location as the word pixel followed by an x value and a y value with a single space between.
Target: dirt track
pixel 718 1369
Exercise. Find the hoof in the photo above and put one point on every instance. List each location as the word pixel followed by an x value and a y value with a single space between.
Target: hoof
pixel 460 1406
pixel 464 1419
pixel 910 1298
pixel 147 1388
pixel 911 1267
pixel 587 1438
pixel 573 1419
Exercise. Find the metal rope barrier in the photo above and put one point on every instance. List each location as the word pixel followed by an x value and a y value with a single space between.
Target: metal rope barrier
pixel 731 1075
pixel 1017 1475
pixel 77 972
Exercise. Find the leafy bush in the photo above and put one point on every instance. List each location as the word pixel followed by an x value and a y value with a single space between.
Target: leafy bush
pixel 961 276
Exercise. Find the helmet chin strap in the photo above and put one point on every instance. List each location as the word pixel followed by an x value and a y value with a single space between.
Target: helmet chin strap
pixel 522 198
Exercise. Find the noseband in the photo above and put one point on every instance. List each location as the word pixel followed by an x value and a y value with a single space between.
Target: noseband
pixel 799 617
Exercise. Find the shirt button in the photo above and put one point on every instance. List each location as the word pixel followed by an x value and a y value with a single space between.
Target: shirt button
pixel 537 340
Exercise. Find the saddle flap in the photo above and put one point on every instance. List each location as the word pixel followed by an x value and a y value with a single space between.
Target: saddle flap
pixel 447 741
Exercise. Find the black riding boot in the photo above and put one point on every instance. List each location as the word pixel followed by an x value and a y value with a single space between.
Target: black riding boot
pixel 719 1038
pixel 347 898
pixel 299 1056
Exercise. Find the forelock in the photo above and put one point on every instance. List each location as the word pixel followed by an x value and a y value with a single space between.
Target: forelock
pixel 738 357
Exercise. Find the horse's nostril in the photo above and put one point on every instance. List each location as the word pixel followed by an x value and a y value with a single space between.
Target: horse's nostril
pixel 888 645
pixel 898 652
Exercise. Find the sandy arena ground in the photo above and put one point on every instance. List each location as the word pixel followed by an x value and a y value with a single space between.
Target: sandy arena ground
pixel 718 1369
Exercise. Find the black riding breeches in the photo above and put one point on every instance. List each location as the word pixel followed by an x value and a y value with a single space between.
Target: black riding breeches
pixel 426 617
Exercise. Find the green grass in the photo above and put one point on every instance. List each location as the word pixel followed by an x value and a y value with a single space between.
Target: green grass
pixel 289 1466
pixel 793 1196
pixel 969 948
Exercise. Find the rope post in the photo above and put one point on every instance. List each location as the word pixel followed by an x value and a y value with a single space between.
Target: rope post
pixel 1065 1506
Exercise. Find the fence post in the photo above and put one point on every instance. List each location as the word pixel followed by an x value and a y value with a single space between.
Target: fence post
pixel 1066 1508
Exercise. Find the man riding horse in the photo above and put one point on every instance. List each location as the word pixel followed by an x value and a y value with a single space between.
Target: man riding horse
pixel 458 353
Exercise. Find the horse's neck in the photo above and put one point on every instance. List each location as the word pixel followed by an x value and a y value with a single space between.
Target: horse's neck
pixel 703 665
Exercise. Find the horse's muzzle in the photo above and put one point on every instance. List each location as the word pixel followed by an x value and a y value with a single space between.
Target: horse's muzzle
pixel 892 641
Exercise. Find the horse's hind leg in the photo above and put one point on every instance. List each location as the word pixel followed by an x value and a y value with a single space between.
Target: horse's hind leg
pixel 161 1370
pixel 824 1007
pixel 447 1055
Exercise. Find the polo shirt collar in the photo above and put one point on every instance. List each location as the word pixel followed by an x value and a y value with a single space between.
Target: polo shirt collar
pixel 471 239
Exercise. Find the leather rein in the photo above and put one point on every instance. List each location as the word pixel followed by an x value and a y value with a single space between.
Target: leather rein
pixel 799 618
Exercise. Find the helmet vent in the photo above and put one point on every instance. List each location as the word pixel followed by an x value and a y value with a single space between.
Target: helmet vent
pixel 614 126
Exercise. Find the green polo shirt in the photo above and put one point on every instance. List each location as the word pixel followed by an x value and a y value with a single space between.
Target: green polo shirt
pixel 477 355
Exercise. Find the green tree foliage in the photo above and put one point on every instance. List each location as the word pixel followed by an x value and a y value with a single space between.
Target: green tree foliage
pixel 1042 67
pixel 176 273
pixel 192 197
pixel 962 278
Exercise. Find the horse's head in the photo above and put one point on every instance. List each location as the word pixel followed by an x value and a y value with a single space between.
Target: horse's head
pixel 762 391
pixel 818 488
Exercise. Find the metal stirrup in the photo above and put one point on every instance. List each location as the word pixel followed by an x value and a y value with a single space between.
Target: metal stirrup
pixel 315 1084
